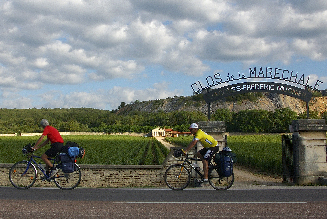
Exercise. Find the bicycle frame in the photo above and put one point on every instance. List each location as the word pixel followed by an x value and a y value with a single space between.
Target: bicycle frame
pixel 187 162
pixel 23 174
pixel 38 165
pixel 178 175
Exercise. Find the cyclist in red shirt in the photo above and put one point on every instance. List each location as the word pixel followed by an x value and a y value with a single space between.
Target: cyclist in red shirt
pixel 54 137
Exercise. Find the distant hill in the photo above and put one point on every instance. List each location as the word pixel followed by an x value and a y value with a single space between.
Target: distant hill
pixel 264 101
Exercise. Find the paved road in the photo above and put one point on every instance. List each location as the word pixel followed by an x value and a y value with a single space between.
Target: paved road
pixel 282 202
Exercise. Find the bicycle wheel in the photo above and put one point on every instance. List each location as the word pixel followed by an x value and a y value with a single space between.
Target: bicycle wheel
pixel 22 175
pixel 220 183
pixel 67 181
pixel 177 177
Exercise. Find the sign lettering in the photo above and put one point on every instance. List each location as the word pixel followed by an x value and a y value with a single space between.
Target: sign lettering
pixel 257 73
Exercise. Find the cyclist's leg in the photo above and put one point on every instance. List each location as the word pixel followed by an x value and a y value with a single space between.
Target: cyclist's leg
pixel 205 169
pixel 205 155
pixel 199 154
pixel 46 160
pixel 51 152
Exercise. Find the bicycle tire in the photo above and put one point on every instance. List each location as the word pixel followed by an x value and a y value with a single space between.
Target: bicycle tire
pixel 22 175
pixel 218 182
pixel 68 181
pixel 177 177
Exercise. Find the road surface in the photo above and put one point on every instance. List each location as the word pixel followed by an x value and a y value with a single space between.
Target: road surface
pixel 270 202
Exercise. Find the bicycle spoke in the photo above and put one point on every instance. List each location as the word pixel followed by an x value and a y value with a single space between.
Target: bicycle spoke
pixel 22 175
pixel 177 177
pixel 218 182
pixel 68 181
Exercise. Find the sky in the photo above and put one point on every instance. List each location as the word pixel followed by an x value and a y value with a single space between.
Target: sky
pixel 100 53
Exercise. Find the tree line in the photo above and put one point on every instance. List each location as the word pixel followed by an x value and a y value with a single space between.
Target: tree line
pixel 95 120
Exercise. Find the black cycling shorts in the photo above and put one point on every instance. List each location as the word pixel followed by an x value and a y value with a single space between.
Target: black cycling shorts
pixel 208 152
pixel 54 149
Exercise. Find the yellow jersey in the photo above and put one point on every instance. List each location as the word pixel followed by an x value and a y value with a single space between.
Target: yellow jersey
pixel 206 140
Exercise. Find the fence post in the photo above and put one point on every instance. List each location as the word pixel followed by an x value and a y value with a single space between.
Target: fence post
pixel 287 158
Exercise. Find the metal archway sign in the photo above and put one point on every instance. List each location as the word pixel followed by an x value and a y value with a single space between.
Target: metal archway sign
pixel 301 91
pixel 211 95
pixel 246 87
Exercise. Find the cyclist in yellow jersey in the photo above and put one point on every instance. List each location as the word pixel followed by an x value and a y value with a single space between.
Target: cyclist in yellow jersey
pixel 210 146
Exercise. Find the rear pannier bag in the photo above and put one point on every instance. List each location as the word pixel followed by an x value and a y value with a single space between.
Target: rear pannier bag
pixel 67 163
pixel 226 166
pixel 224 163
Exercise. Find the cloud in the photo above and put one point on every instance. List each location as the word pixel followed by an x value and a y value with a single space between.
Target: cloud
pixel 47 43
pixel 311 48
pixel 12 99
pixel 127 95
pixel 116 69
pixel 101 99
pixel 184 9
pixel 309 6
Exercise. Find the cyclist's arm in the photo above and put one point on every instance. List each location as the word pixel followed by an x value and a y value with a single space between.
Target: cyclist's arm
pixel 191 145
pixel 39 141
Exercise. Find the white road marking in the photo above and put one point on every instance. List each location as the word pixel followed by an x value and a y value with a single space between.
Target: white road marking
pixel 135 202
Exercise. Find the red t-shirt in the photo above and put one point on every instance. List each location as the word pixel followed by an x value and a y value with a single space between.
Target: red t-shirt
pixel 52 134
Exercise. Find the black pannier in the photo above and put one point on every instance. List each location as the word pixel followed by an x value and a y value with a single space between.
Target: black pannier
pixel 224 161
pixel 67 163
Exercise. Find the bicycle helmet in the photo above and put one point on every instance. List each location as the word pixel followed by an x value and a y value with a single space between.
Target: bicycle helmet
pixel 44 122
pixel 194 126
pixel 227 149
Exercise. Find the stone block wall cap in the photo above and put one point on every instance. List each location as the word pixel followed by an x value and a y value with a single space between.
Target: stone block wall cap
pixel 210 123
pixel 98 166
pixel 212 126
pixel 309 125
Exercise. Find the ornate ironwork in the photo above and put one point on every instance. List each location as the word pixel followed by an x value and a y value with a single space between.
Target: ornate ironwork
pixel 211 95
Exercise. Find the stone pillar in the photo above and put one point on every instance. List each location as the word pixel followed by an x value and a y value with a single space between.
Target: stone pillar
pixel 309 150
pixel 217 130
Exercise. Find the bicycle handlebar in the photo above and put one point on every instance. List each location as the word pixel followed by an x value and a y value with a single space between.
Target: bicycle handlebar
pixel 27 149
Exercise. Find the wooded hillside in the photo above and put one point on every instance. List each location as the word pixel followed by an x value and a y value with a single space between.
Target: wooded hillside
pixel 246 113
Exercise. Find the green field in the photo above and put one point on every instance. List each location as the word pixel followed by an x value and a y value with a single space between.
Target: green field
pixel 262 152
pixel 100 149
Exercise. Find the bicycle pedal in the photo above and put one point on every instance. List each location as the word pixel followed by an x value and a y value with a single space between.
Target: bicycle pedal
pixel 197 183
pixel 204 181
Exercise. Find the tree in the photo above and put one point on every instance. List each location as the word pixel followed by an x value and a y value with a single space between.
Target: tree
pixel 282 118
pixel 122 105
pixel 223 115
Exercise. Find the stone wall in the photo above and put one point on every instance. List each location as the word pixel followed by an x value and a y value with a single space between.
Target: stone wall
pixel 115 176
pixel 99 176
pixel 105 176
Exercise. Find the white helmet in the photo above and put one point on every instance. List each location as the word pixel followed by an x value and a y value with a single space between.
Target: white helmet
pixel 194 126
